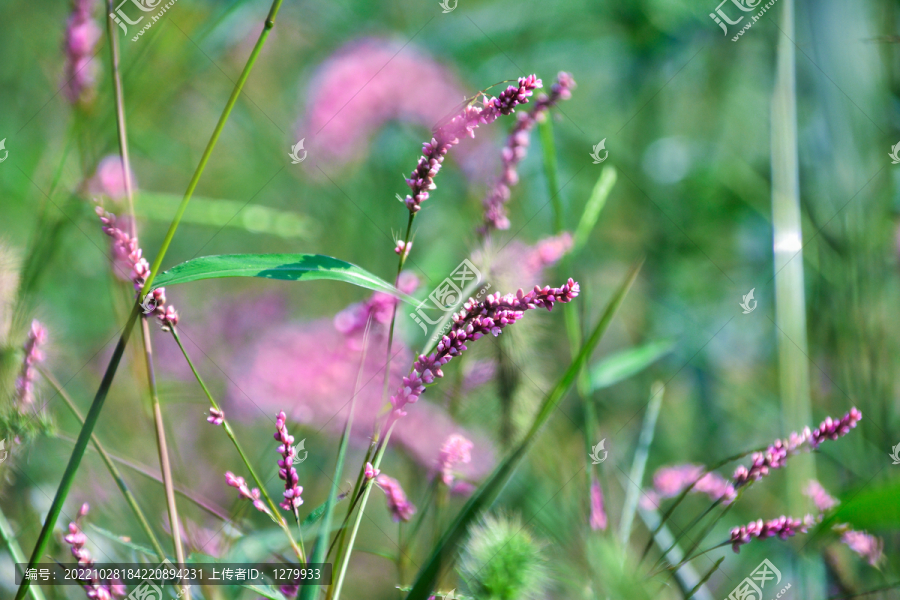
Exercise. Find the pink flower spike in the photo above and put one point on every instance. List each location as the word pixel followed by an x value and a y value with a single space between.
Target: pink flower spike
pixel 456 449
pixel 286 471
pixel 246 493
pixel 598 512
pixel 823 501
pixel 401 508
pixel 37 337
pixel 777 454
pixel 866 545
pixel 216 417
pixel 474 320
pixel 514 152
pixel 421 180
pixel 783 527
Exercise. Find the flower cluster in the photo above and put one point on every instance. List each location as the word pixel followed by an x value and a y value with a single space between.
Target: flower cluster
pixel 37 337
pixel 245 492
pixel 401 508
pixel 775 455
pixel 96 589
pixel 866 545
pixel 475 320
pixel 371 472
pixel 286 470
pixel 457 449
pixel 515 150
pixel 216 416
pixel 669 482
pixel 82 35
pixel 128 257
pixel 783 527
pixel 421 181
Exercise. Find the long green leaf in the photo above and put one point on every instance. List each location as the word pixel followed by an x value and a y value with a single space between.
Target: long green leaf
pixel 594 205
pixel 491 488
pixel 622 365
pixel 287 267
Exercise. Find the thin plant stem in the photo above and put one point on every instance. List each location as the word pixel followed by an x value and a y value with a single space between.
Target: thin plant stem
pixel 97 404
pixel 163 451
pixel 367 489
pixel 9 540
pixel 298 550
pixel 146 472
pixel 107 460
pixel 112 33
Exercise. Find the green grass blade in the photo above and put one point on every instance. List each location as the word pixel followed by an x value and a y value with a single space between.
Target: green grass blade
pixel 7 536
pixel 622 365
pixel 648 429
pixel 548 148
pixel 286 267
pixel 594 205
pixel 490 489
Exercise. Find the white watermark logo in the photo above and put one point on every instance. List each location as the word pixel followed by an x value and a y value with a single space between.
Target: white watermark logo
pixel 447 297
pixel 596 459
pixel 746 6
pixel 751 588
pixel 294 154
pixel 6 152
pixel 148 303
pixel 596 153
pixel 300 446
pixel 895 150
pixel 746 302
pixel 895 456
pixel 3 451
pixel 122 19
pixel 445 4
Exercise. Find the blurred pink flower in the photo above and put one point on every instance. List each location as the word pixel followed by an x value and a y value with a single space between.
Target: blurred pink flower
pixel 37 337
pixel 401 508
pixel 866 545
pixel 819 496
pixel 518 264
pixel 669 482
pixel 457 449
pixel 598 511
pixel 109 178
pixel 82 35
pixel 310 370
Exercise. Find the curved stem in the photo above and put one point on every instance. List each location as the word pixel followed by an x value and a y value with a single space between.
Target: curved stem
pixel 163 451
pixel 298 550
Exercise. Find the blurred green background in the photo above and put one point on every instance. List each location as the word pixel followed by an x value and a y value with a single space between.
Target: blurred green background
pixel 686 115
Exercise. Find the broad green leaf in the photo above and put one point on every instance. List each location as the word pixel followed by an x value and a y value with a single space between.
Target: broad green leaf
pixel 226 213
pixel 594 205
pixel 872 508
pixel 484 496
pixel 622 365
pixel 287 267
